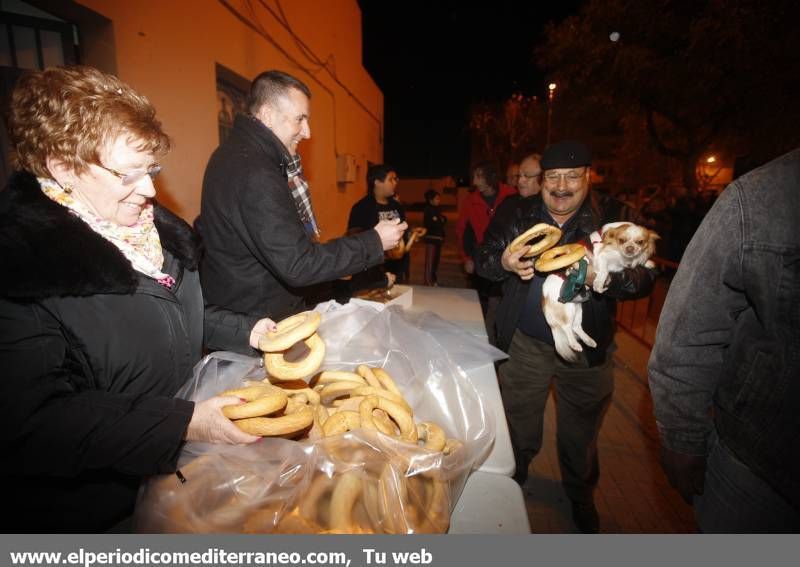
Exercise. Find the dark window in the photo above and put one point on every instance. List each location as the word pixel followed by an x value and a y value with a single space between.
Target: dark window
pixel 232 90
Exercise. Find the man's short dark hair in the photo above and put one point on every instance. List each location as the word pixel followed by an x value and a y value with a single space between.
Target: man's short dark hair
pixel 430 194
pixel 269 86
pixel 377 172
pixel 488 171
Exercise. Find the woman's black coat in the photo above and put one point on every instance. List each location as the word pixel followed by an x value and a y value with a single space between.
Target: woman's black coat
pixel 91 355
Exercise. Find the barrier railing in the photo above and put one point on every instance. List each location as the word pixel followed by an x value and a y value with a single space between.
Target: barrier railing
pixel 639 318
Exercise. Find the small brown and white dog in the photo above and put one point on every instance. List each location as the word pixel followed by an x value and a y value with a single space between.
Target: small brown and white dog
pixel 620 245
pixel 614 247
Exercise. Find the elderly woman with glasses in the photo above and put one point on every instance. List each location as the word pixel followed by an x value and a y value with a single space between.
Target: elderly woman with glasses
pixel 101 312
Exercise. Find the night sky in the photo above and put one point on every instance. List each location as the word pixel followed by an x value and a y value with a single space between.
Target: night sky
pixel 433 59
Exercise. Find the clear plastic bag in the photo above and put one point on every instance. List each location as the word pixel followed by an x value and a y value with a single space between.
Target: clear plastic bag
pixel 358 482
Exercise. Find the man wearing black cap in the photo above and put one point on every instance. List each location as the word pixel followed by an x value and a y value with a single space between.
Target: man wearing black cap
pixel 583 388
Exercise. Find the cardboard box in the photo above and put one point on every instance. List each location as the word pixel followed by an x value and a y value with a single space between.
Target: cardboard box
pixel 398 295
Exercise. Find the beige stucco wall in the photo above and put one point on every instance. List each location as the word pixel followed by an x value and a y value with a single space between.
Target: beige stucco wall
pixel 412 189
pixel 168 51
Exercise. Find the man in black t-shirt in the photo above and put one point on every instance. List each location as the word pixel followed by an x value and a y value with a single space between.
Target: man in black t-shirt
pixel 379 204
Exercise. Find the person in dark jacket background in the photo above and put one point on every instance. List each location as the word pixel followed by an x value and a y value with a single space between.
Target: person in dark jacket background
pixel 584 388
pixel 434 222
pixel 474 215
pixel 257 222
pixel 102 313
pixel 725 368
pixel 378 205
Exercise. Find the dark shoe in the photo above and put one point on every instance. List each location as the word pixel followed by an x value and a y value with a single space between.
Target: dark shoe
pixel 585 516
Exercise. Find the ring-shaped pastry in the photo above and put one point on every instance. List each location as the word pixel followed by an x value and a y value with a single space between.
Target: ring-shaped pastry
pixel 338 389
pixel 281 369
pixel 560 257
pixel 433 435
pixel 551 234
pixel 260 400
pixel 367 374
pixel 284 425
pixel 290 330
pixel 391 396
pixel 386 380
pixel 341 422
pixel 399 415
pixel 331 376
pixel 416 234
pixel 343 498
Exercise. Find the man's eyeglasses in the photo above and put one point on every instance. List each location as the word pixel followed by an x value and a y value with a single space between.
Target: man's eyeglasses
pixel 133 176
pixel 572 177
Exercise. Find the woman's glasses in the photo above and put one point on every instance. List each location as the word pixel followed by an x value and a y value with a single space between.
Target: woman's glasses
pixel 133 176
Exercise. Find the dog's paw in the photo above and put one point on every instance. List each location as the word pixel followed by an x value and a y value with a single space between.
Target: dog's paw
pixel 599 285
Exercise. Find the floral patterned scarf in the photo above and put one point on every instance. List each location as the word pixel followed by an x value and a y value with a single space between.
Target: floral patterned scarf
pixel 139 243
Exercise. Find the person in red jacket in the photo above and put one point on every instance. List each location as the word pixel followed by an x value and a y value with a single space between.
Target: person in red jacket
pixel 473 219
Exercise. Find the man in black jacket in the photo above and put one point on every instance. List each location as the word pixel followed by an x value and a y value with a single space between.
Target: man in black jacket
pixel 584 388
pixel 257 223
pixel 725 368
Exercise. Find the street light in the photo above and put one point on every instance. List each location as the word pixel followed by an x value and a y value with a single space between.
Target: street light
pixel 708 169
pixel 550 95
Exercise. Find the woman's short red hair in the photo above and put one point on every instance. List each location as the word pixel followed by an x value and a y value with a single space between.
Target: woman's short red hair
pixel 70 113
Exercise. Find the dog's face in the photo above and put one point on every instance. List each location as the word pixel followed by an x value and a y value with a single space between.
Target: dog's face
pixel 632 241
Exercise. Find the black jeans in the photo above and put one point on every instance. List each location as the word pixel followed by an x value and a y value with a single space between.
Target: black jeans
pixel 583 394
pixel 736 501
pixel 433 252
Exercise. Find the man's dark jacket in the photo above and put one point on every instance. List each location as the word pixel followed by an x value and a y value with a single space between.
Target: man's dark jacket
pixel 258 255
pixel 599 312
pixel 729 334
pixel 92 353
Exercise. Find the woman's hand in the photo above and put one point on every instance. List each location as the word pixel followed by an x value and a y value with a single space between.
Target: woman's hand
pixel 260 328
pixel 514 262
pixel 209 425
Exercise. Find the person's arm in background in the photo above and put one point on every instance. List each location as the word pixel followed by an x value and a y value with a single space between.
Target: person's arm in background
pixel 227 330
pixel 630 283
pixel 694 334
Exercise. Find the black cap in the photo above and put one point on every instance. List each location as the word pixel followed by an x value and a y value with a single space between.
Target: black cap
pixel 566 154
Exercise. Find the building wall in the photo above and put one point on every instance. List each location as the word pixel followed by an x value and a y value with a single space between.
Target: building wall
pixel 168 51
pixel 412 189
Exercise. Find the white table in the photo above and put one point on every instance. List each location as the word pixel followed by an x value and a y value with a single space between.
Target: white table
pixel 491 502
pixel 461 307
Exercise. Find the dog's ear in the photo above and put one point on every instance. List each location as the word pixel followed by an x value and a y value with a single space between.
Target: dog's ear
pixel 650 245
pixel 611 234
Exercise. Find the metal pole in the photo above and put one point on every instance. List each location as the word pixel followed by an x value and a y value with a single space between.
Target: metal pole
pixel 550 95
